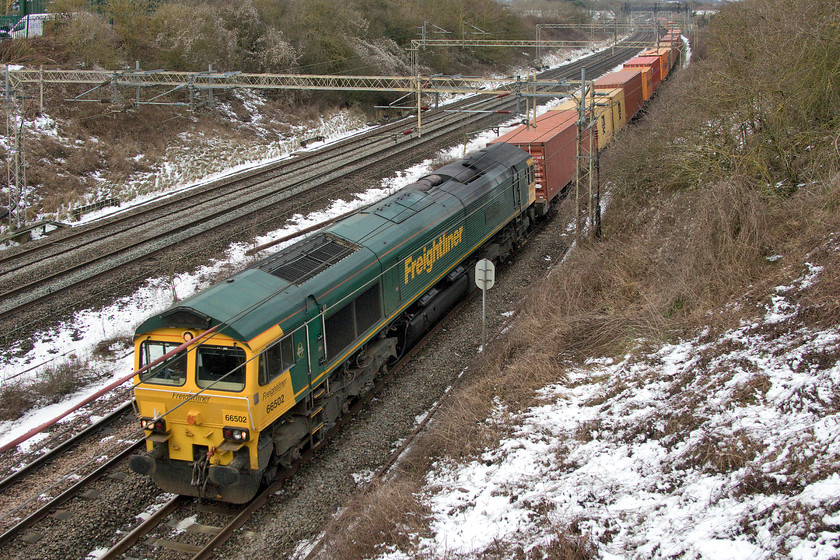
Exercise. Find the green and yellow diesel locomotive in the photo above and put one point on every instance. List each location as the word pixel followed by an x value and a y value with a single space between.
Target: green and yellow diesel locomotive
pixel 305 331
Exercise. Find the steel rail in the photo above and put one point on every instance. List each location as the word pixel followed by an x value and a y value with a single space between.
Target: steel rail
pixel 195 196
pixel 46 457
pixel 324 153
pixel 33 253
pixel 69 493
pixel 195 227
pixel 31 288
pixel 132 538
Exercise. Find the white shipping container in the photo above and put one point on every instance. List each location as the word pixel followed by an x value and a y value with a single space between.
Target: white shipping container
pixel 31 25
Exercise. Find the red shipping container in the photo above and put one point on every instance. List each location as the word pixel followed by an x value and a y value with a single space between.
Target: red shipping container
pixel 628 80
pixel 653 62
pixel 553 145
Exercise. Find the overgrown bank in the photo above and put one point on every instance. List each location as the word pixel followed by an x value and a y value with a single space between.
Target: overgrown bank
pixel 721 231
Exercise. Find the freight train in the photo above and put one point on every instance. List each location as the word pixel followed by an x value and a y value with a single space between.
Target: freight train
pixel 236 381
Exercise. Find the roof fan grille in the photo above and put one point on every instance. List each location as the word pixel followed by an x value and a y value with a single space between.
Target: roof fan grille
pixel 314 261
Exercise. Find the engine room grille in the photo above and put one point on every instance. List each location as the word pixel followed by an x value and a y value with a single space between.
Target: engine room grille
pixel 305 260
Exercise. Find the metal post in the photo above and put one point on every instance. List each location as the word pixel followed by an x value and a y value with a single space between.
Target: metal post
pixel 137 92
pixel 580 123
pixel 597 228
pixel 518 95
pixel 419 123
pixel 534 90
pixel 483 318
pixel 41 83
pixel 22 214
pixel 577 183
pixel 590 210
pixel 210 89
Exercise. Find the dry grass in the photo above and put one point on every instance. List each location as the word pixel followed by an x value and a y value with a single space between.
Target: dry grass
pixel 392 513
pixel 49 387
pixel 567 545
pixel 753 391
pixel 110 347
pixel 688 232
pixel 722 453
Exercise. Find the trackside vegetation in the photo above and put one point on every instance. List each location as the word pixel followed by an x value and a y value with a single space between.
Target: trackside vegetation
pixel 725 189
pixel 90 151
pixel 301 36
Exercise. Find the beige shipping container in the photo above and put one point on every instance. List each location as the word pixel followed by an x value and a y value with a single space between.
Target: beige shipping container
pixel 612 102
pixel 610 112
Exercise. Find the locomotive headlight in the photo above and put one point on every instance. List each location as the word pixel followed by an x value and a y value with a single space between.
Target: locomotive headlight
pixel 239 435
pixel 153 424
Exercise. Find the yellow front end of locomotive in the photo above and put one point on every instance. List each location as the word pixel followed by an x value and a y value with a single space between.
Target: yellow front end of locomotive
pixel 196 403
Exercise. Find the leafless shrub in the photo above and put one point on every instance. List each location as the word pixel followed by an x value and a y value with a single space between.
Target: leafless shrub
pixel 106 348
pixel 191 37
pixel 753 391
pixel 586 431
pixel 15 400
pixel 89 38
pixel 50 386
pixel 722 453
pixel 61 380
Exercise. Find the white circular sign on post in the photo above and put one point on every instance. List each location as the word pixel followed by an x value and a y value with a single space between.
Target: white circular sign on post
pixel 485 274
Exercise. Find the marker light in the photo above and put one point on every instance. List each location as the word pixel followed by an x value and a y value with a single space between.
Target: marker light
pixel 238 435
pixel 153 424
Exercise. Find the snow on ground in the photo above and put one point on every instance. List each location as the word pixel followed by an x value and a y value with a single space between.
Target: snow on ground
pixel 187 167
pixel 712 448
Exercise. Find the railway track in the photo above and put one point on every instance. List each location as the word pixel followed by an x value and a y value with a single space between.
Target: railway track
pixel 209 525
pixel 205 527
pixel 187 527
pixel 182 524
pixel 180 508
pixel 54 267
pixel 42 486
